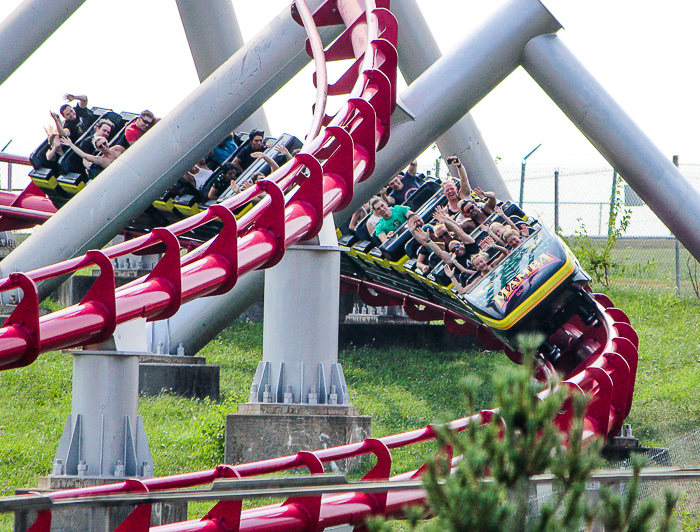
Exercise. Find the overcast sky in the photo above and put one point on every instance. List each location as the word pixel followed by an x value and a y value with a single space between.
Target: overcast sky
pixel 134 55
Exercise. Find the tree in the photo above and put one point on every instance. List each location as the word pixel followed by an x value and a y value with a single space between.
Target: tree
pixel 489 488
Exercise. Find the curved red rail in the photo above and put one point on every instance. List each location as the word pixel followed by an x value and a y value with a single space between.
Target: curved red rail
pixel 340 156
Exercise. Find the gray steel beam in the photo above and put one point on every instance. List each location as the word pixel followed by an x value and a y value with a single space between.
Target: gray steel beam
pixel 140 176
pixel 417 51
pixel 615 135
pixel 301 348
pixel 214 35
pixel 453 85
pixel 27 27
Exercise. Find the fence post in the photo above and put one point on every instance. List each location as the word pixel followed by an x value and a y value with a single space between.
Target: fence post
pixel 613 195
pixel 522 184
pixel 556 201
pixel 678 251
pixel 9 176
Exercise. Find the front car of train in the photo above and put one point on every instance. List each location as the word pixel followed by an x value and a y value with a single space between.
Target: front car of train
pixel 538 287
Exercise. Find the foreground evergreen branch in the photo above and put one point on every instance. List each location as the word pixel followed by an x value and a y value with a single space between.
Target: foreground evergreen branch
pixel 489 489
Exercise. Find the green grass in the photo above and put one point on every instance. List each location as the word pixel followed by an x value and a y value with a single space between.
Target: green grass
pixel 667 397
pixel 401 388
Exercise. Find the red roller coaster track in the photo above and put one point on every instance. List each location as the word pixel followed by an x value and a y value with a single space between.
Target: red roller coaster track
pixel 333 160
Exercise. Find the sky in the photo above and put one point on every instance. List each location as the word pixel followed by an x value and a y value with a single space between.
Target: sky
pixel 134 55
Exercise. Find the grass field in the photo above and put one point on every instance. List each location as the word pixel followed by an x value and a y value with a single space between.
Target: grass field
pixel 402 389
pixel 650 264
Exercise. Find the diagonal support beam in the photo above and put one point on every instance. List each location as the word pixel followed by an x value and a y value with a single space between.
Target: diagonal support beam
pixel 214 35
pixel 615 135
pixel 453 85
pixel 418 50
pixel 26 29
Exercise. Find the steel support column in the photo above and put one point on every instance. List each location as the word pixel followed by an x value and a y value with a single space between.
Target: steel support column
pixel 453 85
pixel 615 135
pixel 27 27
pixel 104 435
pixel 214 35
pixel 131 184
pixel 417 51
pixel 300 334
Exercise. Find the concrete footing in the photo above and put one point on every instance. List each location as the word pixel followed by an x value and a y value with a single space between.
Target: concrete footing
pixel 181 375
pixel 268 430
pixel 93 519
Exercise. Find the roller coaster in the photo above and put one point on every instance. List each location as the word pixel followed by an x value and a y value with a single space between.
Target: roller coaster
pixel 539 285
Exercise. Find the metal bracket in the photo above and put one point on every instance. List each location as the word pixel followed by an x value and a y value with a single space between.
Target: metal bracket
pixel 378 300
pixel 226 514
pixel 599 407
pixel 388 25
pixel 513 356
pixel 617 315
pixel 225 248
pixel 271 221
pixel 364 135
pixel 338 166
pixel 25 320
pixel 626 350
pixel 311 505
pixel 42 523
pixel 603 300
pixel 139 520
pixel 167 273
pixel 381 102
pixel 619 372
pixel 487 339
pixel 341 48
pixel 326 14
pixel 380 471
pixel 310 192
pixel 32 190
pixel 101 294
pixel 624 330
pixel 425 314
pixel 459 329
pixel 388 66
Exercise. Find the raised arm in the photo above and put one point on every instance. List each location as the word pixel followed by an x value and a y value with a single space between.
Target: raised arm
pixel 424 240
pixel 384 194
pixel 269 160
pixel 412 168
pixel 100 161
pixel 450 272
pixel 62 131
pixel 281 148
pixel 465 189
pixel 499 210
pixel 489 243
pixel 490 198
pixel 82 99
pixel 441 216
pixel 54 150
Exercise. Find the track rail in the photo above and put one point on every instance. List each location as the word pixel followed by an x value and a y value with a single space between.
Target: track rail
pixel 295 200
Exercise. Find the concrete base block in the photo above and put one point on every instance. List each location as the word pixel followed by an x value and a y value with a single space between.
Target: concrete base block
pixel 93 519
pixel 182 375
pixel 386 333
pixel 268 430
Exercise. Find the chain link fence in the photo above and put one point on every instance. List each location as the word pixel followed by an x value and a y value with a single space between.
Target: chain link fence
pixel 680 453
pixel 578 200
pixel 14 176
pixel 575 200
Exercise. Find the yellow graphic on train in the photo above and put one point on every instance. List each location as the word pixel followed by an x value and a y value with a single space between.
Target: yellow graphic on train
pixel 511 288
